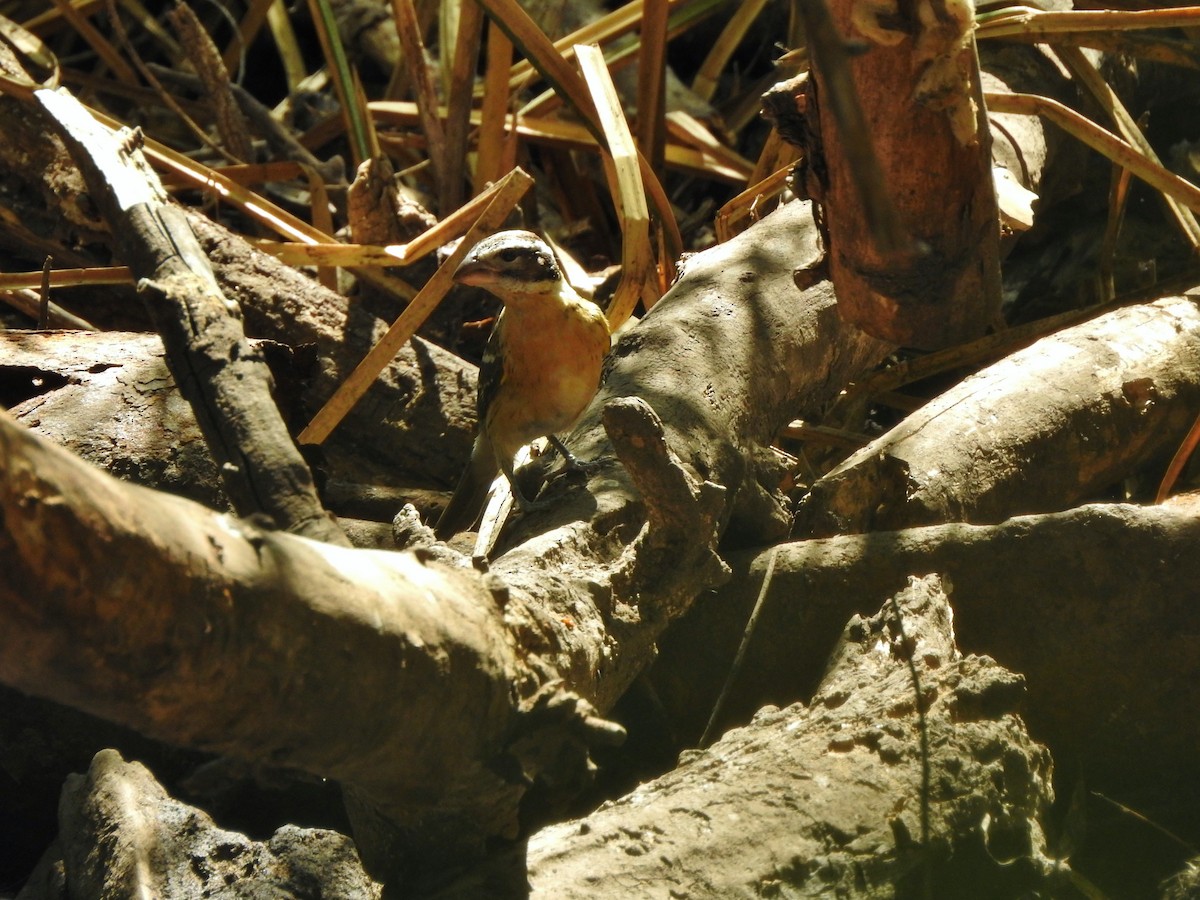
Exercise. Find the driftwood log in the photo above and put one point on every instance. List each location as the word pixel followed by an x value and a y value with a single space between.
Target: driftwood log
pixel 1047 427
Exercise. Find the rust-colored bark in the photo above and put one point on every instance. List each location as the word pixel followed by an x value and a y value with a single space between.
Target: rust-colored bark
pixel 918 86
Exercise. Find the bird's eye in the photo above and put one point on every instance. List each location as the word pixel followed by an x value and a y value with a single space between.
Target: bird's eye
pixel 509 254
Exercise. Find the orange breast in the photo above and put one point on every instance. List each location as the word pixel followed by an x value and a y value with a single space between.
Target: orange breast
pixel 553 358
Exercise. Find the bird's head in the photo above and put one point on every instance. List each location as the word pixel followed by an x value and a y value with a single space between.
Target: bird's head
pixel 511 263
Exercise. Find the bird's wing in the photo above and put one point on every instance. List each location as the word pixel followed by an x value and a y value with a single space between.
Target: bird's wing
pixel 491 371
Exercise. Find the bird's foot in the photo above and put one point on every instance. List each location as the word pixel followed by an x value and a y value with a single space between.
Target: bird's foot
pixel 574 463
pixel 583 466
pixel 526 505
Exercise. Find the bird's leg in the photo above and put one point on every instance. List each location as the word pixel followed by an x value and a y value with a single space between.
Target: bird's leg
pixel 524 502
pixel 574 463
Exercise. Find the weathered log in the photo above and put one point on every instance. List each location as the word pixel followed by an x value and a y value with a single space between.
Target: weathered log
pixel 1041 430
pixel 94 394
pixel 122 836
pixel 453 745
pixel 1094 606
pixel 109 398
pixel 151 611
pixel 909 771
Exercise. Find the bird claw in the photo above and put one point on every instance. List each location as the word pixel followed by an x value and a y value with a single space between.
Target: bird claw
pixel 571 464
pixel 574 463
pixel 529 506
pixel 584 466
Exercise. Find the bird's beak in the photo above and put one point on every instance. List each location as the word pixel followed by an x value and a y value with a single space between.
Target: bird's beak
pixel 474 270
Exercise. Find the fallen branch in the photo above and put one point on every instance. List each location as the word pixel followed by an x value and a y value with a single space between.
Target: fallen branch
pixel 224 379
pixel 1041 430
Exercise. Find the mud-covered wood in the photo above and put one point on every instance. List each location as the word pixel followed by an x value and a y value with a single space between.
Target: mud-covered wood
pixel 121 835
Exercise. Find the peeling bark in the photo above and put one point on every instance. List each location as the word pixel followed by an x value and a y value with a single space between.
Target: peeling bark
pixel 900 161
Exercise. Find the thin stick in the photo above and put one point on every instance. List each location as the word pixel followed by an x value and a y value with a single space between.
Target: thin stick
pixel 1024 22
pixel 1127 128
pixel 525 35
pixel 651 84
pixel 492 116
pixel 705 82
pixel 695 159
pixel 413 50
pixel 458 117
pixel 340 74
pixel 1100 140
pixel 362 255
pixel 751 624
pixel 625 184
pixel 43 319
pixel 59 278
pixel 97 41
pixel 1178 461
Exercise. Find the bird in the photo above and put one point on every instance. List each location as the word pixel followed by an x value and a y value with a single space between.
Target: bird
pixel 540 368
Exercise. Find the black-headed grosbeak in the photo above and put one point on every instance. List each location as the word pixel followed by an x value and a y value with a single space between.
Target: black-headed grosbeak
pixel 540 368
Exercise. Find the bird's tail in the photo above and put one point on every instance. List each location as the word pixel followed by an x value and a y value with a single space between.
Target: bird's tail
pixel 466 504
